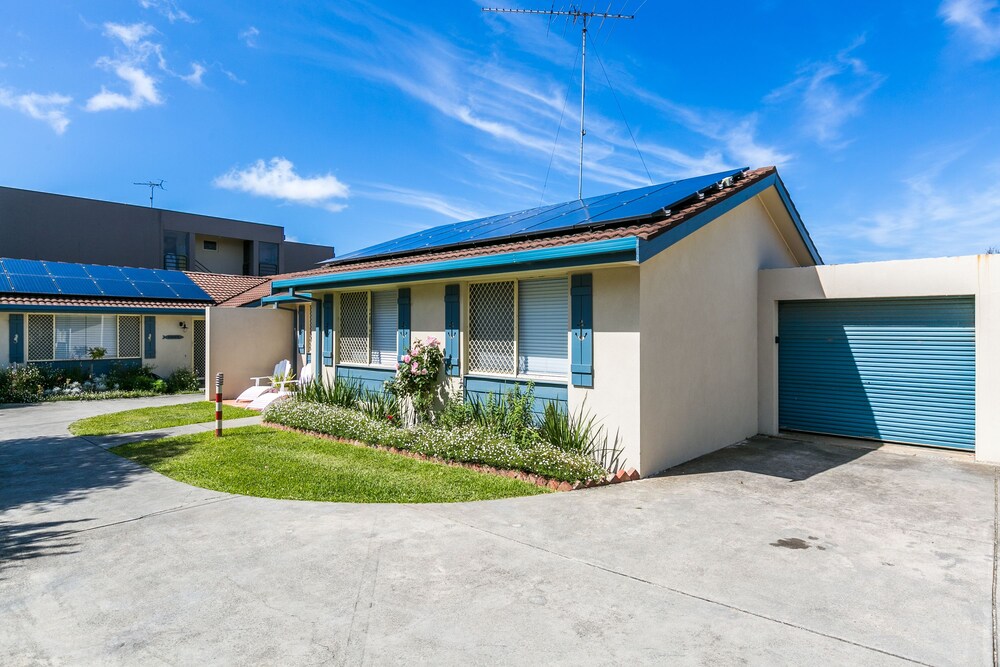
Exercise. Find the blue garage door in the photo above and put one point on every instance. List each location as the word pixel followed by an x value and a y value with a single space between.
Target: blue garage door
pixel 902 370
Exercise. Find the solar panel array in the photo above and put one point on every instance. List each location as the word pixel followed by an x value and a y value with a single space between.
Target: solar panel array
pixel 30 276
pixel 579 213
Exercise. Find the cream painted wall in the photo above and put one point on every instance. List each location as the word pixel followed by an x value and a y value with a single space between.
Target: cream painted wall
pixel 614 399
pixel 4 341
pixel 948 276
pixel 227 258
pixel 245 342
pixel 175 353
pixel 698 325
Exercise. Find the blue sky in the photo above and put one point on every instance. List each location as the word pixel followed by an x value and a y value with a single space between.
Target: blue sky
pixel 351 123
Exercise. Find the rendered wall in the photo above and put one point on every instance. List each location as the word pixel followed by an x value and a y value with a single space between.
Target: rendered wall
pixel 949 276
pixel 226 258
pixel 698 305
pixel 172 353
pixel 243 343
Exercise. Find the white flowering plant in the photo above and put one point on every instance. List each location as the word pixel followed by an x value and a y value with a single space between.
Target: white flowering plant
pixel 417 375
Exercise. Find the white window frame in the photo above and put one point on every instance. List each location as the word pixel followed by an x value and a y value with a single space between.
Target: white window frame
pixel 467 326
pixel 369 297
pixel 54 316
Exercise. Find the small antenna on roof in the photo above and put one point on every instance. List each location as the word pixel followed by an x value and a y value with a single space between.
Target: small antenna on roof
pixel 151 185
pixel 583 17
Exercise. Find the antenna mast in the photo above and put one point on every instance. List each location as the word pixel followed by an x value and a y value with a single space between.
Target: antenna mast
pixel 151 185
pixel 584 18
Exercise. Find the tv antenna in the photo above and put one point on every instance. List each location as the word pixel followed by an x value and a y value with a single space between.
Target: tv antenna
pixel 584 18
pixel 152 185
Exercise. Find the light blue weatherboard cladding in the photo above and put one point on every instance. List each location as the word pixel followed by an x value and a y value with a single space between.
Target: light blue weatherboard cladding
pixel 372 379
pixel 16 338
pixel 452 300
pixel 480 388
pixel 901 370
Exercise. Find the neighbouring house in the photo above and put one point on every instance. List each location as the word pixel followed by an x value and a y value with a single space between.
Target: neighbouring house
pixel 640 305
pixel 52 313
pixel 42 225
pixel 687 316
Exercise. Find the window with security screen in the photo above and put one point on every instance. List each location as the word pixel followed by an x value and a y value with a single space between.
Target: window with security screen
pixel 76 335
pixel 40 341
pixel 353 343
pixel 129 337
pixel 491 328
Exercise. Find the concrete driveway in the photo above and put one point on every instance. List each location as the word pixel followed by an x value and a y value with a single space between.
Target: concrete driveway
pixel 771 552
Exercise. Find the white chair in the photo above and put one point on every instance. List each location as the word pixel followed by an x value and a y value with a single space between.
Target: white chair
pixel 281 370
pixel 266 399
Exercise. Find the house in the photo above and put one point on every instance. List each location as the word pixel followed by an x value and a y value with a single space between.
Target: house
pixel 641 306
pixel 42 225
pixel 52 312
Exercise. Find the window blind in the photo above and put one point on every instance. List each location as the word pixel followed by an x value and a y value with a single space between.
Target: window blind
pixel 384 319
pixel 543 327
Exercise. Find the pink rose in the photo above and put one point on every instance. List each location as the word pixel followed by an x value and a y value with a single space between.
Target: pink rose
pixel 431 340
pixel 406 358
pixel 414 367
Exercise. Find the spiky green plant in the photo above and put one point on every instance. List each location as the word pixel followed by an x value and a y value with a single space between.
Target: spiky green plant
pixel 381 406
pixel 342 392
pixel 581 433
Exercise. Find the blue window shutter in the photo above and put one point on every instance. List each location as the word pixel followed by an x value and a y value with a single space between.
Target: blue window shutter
pixel 301 329
pixel 403 324
pixel 451 322
pixel 16 325
pixel 582 329
pixel 328 329
pixel 149 337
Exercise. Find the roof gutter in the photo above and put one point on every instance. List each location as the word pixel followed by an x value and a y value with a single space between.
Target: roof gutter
pixel 578 254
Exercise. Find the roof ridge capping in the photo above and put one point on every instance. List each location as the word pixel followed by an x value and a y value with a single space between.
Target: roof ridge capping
pixel 621 208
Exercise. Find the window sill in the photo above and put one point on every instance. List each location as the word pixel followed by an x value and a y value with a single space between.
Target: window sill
pixel 369 367
pixel 545 379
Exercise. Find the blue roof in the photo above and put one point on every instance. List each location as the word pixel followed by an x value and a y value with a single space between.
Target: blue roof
pixel 615 208
pixel 32 276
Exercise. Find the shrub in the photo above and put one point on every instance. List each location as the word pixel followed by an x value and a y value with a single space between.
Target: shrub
pixel 509 415
pixel 580 433
pixel 343 392
pixel 129 377
pixel 466 444
pixel 21 384
pixel 182 379
pixel 417 376
pixel 381 406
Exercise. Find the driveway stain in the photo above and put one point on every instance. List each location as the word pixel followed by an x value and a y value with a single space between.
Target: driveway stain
pixel 791 543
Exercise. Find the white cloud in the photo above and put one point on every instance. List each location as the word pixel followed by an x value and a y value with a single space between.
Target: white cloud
pixel 168 9
pixel 128 34
pixel 830 94
pixel 276 179
pixel 429 201
pixel 142 91
pixel 49 108
pixel 194 78
pixel 249 36
pixel 977 21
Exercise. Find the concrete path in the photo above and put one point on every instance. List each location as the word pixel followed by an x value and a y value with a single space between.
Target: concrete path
pixel 772 552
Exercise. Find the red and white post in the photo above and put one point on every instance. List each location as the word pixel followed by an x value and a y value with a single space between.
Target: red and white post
pixel 218 405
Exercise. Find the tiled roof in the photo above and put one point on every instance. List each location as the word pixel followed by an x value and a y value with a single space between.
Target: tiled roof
pixel 643 230
pixel 96 302
pixel 222 286
pixel 255 293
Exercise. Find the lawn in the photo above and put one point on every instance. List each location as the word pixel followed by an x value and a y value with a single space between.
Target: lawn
pixel 148 419
pixel 270 463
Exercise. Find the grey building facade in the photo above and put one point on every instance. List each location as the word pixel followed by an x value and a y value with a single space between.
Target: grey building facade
pixel 41 225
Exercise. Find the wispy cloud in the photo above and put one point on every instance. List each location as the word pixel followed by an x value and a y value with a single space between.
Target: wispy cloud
pixel 977 22
pixel 132 62
pixel 167 8
pixel 249 36
pixel 49 108
pixel 939 212
pixel 276 179
pixel 430 201
pixel 830 94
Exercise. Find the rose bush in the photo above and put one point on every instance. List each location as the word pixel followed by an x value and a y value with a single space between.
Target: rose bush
pixel 417 376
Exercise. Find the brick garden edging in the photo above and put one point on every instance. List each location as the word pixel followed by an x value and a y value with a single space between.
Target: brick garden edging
pixel 554 484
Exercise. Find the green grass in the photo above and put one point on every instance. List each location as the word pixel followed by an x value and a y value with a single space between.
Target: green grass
pixel 270 463
pixel 148 419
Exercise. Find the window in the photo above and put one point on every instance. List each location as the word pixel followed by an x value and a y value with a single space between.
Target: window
pixel 368 322
pixel 210 245
pixel 267 264
pixel 63 337
pixel 540 319
pixel 175 250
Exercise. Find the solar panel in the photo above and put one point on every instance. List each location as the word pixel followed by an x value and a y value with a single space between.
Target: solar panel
pixel 66 279
pixel 606 209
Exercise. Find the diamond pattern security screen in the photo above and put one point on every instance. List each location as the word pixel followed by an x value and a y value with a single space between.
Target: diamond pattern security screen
pixel 129 337
pixel 353 347
pixel 198 348
pixel 40 347
pixel 491 327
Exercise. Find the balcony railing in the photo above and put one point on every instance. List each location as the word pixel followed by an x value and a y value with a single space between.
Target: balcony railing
pixel 266 269
pixel 173 262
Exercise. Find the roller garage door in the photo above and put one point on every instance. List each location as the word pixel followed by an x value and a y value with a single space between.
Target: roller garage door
pixel 902 370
